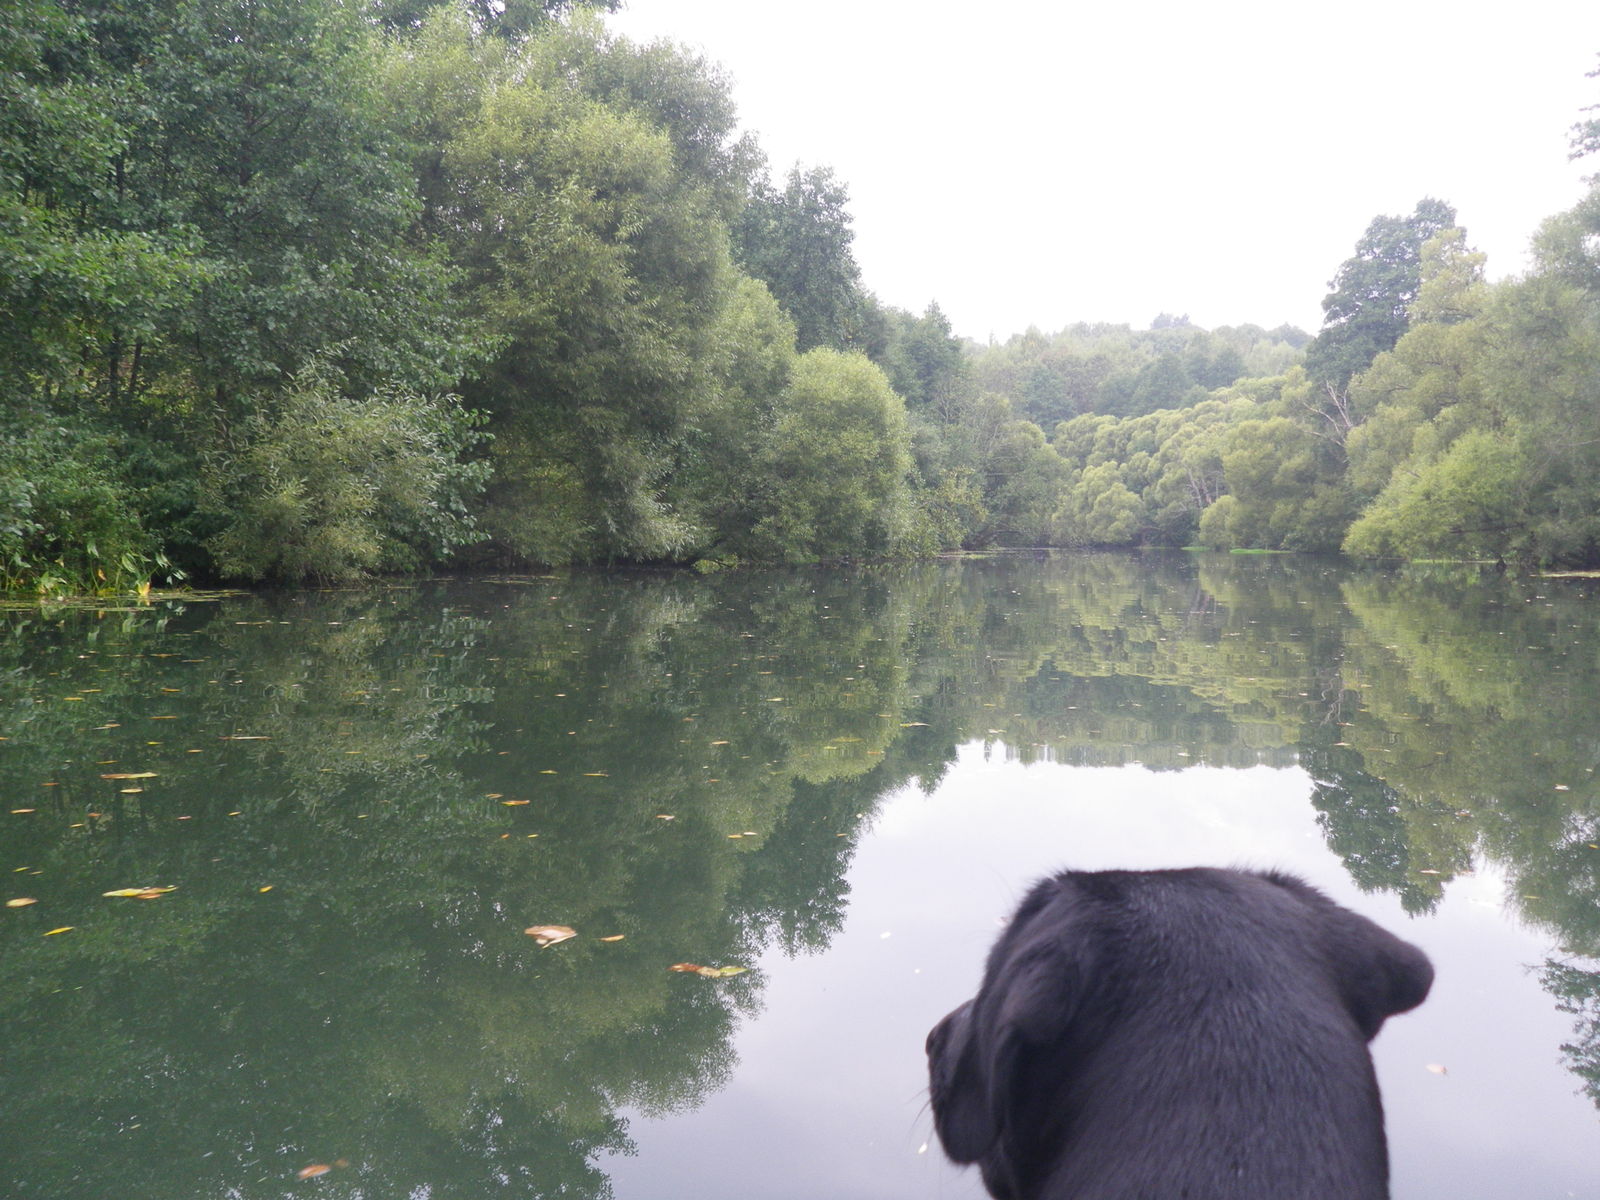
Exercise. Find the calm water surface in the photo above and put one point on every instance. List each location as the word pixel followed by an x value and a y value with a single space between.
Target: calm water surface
pixel 840 781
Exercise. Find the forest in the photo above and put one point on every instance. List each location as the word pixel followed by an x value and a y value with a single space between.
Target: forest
pixel 308 290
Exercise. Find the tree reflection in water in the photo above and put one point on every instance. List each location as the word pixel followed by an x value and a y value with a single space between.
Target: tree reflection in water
pixel 364 797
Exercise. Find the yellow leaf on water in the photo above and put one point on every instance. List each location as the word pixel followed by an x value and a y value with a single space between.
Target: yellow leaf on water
pixel 130 775
pixel 616 937
pixel 312 1171
pixel 707 972
pixel 549 935
pixel 21 902
pixel 63 929
pixel 513 803
pixel 144 893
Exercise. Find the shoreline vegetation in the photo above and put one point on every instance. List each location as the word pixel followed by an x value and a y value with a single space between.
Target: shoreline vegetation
pixel 311 291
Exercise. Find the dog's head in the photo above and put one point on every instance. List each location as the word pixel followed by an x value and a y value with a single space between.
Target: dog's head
pixel 1090 955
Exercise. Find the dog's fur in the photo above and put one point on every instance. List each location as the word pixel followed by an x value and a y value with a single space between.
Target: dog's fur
pixel 1146 1035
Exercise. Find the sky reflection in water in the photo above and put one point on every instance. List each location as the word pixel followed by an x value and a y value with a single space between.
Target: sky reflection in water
pixel 830 1096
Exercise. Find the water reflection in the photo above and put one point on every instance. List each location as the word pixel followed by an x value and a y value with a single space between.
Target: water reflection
pixel 362 798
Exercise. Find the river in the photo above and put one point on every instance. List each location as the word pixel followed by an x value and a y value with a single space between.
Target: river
pixel 335 813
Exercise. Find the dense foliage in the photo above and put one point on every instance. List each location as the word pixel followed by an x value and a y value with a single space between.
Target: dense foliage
pixel 311 289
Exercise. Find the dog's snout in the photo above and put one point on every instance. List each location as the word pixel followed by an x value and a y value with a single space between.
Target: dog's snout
pixel 939 1035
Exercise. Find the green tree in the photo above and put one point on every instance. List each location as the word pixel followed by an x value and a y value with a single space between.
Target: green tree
pixel 1481 431
pixel 75 285
pixel 838 464
pixel 1286 488
pixel 1464 503
pixel 259 128
pixel 1414 400
pixel 925 363
pixel 318 484
pixel 598 261
pixel 507 19
pixel 798 241
pixel 1099 509
pixel 723 483
pixel 1369 308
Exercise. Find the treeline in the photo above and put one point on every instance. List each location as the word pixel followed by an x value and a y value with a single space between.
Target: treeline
pixel 1122 372
pixel 315 288
pixel 310 289
pixel 1435 415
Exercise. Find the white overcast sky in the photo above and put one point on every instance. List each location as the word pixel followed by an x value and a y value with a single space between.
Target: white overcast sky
pixel 1036 163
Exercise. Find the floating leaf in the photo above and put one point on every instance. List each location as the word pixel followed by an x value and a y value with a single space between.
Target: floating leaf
pixel 549 935
pixel 313 1171
pixel 513 803
pixel 21 902
pixel 707 972
pixel 616 937
pixel 62 929
pixel 144 893
pixel 130 775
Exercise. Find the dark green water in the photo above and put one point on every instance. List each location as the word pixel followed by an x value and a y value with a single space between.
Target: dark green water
pixel 837 779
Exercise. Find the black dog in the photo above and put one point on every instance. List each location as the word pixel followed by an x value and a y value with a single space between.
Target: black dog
pixel 1149 1035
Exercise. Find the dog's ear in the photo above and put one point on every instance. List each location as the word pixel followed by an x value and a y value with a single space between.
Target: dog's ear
pixel 1024 1016
pixel 1378 974
pixel 1382 975
pixel 963 1066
